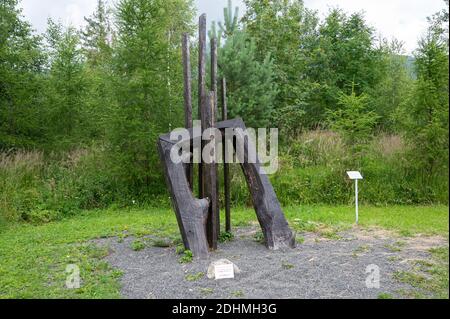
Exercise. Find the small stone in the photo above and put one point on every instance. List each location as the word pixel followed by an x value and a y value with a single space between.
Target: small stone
pixel 211 274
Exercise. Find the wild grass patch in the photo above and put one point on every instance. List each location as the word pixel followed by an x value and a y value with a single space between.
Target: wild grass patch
pixel 34 257
pixel 428 277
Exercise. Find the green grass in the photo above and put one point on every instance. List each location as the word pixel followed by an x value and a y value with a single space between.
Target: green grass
pixel 33 258
pixel 407 220
pixel 195 277
pixel 161 243
pixel 384 295
pixel 225 236
pixel 137 245
pixel 428 277
pixel 238 294
pixel 300 239
pixel 286 265
pixel 429 220
pixel 395 247
pixel 206 291
pixel 186 257
pixel 361 250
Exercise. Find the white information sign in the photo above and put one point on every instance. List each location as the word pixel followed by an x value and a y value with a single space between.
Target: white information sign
pixel 354 175
pixel 224 271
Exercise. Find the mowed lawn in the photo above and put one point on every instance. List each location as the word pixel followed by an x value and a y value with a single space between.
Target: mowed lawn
pixel 33 258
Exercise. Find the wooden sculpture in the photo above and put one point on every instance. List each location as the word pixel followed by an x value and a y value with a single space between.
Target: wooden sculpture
pixel 198 219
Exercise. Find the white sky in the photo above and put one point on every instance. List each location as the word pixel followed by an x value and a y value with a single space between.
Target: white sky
pixel 402 19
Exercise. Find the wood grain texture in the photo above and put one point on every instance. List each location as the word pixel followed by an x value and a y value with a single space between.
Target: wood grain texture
pixel 210 177
pixel 187 99
pixel 214 77
pixel 226 166
pixel 271 218
pixel 215 118
pixel 191 213
pixel 201 84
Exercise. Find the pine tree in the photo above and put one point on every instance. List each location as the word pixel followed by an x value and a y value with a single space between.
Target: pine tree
pixel 147 85
pixel 229 28
pixel 213 33
pixel 231 21
pixel 66 85
pixel 97 35
pixel 346 54
pixel 97 40
pixel 251 84
pixel 387 97
pixel 439 23
pixel 21 86
pixel 426 113
pixel 353 120
pixel 286 30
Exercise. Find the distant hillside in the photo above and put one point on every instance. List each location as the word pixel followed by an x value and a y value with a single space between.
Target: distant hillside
pixel 410 66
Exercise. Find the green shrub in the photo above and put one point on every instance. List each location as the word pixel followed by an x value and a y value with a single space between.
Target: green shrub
pixel 137 245
pixel 313 171
pixel 187 257
pixel 225 236
pixel 20 174
pixel 180 249
pixel 195 277
pixel 60 183
pixel 41 216
pixel 37 188
pixel 259 237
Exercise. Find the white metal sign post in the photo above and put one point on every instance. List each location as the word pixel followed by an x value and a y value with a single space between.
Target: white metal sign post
pixel 354 175
pixel 356 201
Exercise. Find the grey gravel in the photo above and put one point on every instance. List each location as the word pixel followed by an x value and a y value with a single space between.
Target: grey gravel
pixel 317 269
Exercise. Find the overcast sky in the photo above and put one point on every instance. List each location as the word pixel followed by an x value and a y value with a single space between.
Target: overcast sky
pixel 402 19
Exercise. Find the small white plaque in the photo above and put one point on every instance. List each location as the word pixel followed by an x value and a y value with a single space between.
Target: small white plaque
pixel 224 271
pixel 354 175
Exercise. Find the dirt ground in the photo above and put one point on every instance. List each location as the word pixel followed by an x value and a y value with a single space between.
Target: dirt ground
pixel 344 266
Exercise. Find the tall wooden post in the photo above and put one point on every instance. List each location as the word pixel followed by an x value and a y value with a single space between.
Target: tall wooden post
pixel 199 219
pixel 201 89
pixel 188 100
pixel 216 114
pixel 226 166
pixel 214 76
pixel 191 212
pixel 209 177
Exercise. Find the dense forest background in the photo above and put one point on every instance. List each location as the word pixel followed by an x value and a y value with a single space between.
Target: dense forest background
pixel 80 110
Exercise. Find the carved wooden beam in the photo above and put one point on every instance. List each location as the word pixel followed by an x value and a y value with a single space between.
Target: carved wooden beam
pixel 210 176
pixel 187 99
pixel 214 77
pixel 273 223
pixel 201 84
pixel 191 212
pixel 226 166
pixel 215 118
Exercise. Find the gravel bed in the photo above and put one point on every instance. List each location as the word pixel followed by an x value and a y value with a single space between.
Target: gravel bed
pixel 318 268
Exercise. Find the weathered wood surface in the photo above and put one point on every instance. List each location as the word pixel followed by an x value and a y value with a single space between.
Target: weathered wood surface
pixel 188 99
pixel 215 118
pixel 191 213
pixel 214 77
pixel 199 219
pixel 210 176
pixel 226 166
pixel 201 84
pixel 273 223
